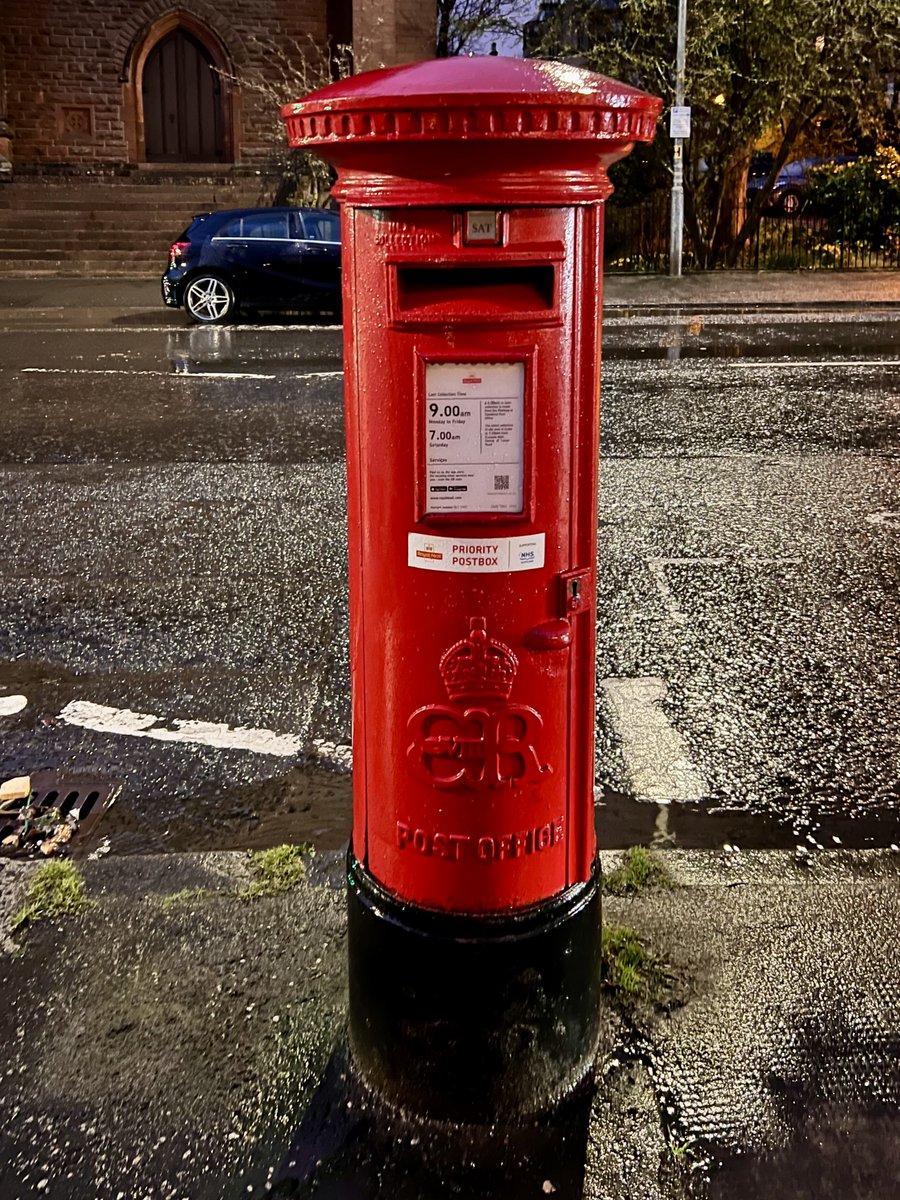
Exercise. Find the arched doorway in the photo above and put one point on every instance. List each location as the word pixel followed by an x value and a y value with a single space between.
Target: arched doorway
pixel 184 114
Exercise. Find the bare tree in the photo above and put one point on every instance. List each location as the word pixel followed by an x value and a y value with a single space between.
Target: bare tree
pixel 285 70
pixel 460 22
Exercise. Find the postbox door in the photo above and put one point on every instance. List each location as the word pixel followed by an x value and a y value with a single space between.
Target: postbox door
pixel 472 498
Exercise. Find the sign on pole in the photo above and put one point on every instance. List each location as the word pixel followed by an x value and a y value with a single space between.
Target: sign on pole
pixel 680 121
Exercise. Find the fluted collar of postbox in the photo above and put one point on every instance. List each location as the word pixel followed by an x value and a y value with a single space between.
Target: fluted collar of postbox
pixel 473 129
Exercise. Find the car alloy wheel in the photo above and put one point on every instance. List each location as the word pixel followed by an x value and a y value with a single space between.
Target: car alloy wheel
pixel 209 300
pixel 791 203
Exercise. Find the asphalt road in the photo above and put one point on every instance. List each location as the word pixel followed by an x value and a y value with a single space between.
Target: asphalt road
pixel 174 578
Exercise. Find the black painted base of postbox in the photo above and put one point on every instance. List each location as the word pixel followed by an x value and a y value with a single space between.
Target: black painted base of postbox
pixel 473 1018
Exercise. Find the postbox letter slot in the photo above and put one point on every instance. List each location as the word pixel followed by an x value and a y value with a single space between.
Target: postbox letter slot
pixel 476 290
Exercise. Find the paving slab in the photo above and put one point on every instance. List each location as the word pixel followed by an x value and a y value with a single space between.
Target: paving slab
pixel 175 1040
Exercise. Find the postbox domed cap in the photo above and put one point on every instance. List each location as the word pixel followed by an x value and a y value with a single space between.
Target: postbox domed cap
pixel 507 80
pixel 482 116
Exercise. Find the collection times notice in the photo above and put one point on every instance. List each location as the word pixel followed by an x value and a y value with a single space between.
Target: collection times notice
pixel 474 436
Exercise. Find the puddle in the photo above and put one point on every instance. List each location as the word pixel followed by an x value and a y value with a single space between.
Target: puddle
pixel 841 1156
pixel 761 339
pixel 622 821
pixel 312 804
pixel 348 1146
pixel 307 804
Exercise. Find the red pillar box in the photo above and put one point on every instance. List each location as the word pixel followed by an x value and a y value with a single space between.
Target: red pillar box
pixel 472 197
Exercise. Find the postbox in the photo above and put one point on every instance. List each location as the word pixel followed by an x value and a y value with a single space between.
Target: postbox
pixel 472 195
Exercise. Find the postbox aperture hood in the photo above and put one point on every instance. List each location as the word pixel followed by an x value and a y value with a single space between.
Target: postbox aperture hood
pixel 494 126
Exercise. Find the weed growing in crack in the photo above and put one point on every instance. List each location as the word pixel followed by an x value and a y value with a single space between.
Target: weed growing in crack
pixel 277 870
pixel 639 869
pixel 57 890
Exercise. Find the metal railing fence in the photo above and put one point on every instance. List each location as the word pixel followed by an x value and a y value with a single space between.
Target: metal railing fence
pixel 637 239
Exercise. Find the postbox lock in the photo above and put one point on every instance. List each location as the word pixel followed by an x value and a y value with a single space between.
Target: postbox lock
pixel 481 227
pixel 575 587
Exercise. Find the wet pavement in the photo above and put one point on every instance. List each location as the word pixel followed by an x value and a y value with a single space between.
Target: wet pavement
pixel 178 1042
pixel 190 641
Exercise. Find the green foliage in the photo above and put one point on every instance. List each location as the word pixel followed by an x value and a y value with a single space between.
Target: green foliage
pixel 57 890
pixel 277 870
pixel 862 198
pixel 684 1151
pixel 639 869
pixel 755 69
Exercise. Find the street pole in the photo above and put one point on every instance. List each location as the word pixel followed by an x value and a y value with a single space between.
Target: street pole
pixel 676 229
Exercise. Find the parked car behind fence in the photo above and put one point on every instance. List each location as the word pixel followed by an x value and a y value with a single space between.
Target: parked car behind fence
pixel 789 192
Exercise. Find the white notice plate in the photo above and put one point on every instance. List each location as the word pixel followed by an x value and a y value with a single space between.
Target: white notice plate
pixel 680 121
pixel 474 437
pixel 476 556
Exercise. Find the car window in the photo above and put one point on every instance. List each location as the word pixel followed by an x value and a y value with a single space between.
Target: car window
pixel 230 229
pixel 266 225
pixel 322 227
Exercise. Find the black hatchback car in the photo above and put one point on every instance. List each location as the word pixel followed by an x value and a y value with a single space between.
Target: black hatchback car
pixel 255 259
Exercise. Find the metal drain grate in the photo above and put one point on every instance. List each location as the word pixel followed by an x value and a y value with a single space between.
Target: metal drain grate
pixel 56 801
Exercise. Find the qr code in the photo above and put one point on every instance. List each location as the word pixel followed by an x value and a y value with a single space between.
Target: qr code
pixel 501 483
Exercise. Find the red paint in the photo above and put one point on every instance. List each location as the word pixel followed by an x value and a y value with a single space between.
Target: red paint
pixel 473 684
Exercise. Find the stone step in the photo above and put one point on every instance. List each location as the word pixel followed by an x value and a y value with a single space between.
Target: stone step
pixel 67 270
pixel 110 226
pixel 87 226
pixel 144 238
pixel 113 200
pixel 49 185
pixel 190 202
pixel 187 204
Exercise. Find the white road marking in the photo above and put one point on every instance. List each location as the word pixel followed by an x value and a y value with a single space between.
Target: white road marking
pixel 337 755
pixel 213 374
pixel 655 753
pixel 10 705
pixel 755 364
pixel 884 518
pixel 657 568
pixel 37 326
pixel 137 371
pixel 102 718
pixel 612 365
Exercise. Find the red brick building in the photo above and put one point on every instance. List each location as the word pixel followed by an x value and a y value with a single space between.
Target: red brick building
pixel 120 118
pixel 113 83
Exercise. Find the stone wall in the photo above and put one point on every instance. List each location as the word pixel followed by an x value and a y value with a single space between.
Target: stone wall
pixel 393 31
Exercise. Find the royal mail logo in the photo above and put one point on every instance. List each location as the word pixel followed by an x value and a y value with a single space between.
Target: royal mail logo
pixel 479 740
pixel 472 379
pixel 433 554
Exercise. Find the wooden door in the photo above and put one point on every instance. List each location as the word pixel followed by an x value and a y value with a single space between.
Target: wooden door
pixel 183 117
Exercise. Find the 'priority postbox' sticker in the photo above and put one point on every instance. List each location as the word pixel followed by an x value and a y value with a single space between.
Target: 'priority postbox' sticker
pixel 476 556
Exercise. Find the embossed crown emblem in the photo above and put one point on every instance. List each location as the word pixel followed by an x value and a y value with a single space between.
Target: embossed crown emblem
pixel 478 667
